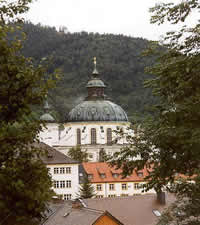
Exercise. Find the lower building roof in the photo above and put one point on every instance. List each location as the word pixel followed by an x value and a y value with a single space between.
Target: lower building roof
pixel 70 214
pixel 53 156
pixel 132 210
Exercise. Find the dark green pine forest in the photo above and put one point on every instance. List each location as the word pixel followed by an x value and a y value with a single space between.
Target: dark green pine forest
pixel 119 62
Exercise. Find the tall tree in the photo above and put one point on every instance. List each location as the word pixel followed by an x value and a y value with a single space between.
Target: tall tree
pixel 169 141
pixel 24 181
pixel 86 189
pixel 78 154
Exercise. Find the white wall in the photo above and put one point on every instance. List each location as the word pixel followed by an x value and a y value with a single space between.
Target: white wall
pixel 73 177
pixel 131 190
pixel 49 134
pixel 66 138
pixel 68 135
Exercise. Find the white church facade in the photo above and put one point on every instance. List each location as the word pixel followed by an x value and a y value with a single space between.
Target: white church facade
pixel 90 124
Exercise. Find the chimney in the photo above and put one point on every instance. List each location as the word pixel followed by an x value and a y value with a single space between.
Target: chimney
pixel 76 204
pixel 161 197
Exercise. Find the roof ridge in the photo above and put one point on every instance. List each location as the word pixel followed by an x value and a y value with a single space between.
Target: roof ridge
pixel 95 210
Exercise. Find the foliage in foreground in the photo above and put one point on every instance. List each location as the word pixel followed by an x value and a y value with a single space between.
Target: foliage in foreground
pixel 78 154
pixel 24 181
pixel 169 141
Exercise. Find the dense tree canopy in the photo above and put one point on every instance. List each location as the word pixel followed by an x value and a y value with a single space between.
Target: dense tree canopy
pixel 169 142
pixel 24 181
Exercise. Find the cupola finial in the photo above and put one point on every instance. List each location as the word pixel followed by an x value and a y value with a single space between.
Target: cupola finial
pixel 46 104
pixel 95 66
pixel 95 61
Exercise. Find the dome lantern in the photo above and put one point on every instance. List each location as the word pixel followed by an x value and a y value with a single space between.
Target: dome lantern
pixel 95 85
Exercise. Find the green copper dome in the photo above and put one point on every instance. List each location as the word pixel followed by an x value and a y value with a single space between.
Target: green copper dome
pixel 95 83
pixel 47 118
pixel 100 110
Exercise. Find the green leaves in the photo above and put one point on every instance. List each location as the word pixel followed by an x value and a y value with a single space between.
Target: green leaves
pixel 24 181
pixel 168 143
pixel 78 154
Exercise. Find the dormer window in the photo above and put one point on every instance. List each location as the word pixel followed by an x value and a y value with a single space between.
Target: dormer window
pixel 102 175
pixel 115 175
pixel 90 176
pixel 50 156
pixel 140 174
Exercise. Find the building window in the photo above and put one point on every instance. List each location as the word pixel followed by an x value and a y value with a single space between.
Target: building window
pixel 90 156
pixel 93 136
pixel 68 184
pixel 102 175
pixel 137 186
pixel 56 170
pixel 56 184
pixel 156 213
pixel 99 187
pixel 124 186
pixel 62 170
pixel 90 176
pixel 115 175
pixel 111 187
pixel 109 136
pixel 124 195
pixel 78 136
pixel 111 196
pixel 62 184
pixel 68 170
pixel 140 174
pixel 67 196
pixel 99 196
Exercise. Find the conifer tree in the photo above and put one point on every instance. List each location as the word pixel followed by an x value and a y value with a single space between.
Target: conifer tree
pixel 86 189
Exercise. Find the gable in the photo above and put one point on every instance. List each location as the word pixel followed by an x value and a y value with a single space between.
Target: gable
pixel 107 219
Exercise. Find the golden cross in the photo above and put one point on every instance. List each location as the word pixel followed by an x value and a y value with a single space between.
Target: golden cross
pixel 95 61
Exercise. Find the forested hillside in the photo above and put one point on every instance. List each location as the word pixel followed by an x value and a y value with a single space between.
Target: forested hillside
pixel 119 63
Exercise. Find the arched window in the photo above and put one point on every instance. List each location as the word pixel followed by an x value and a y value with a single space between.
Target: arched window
pixel 109 136
pixel 93 136
pixel 78 136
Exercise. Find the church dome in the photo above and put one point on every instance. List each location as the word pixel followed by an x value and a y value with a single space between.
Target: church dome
pixel 96 107
pixel 97 111
pixel 47 118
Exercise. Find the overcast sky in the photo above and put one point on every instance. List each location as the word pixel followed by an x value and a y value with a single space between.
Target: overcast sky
pixel 128 17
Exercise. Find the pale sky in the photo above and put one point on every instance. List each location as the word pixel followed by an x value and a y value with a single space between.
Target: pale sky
pixel 128 17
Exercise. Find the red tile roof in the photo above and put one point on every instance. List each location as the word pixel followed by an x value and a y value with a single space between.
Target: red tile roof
pixel 98 168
